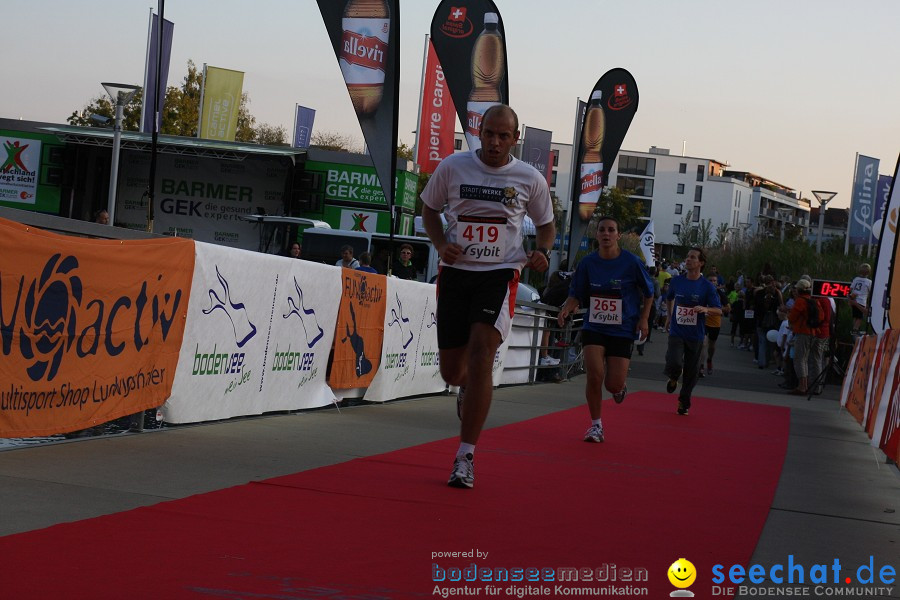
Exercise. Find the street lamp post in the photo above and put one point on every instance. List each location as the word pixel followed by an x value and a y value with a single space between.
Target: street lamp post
pixel 121 95
pixel 785 213
pixel 824 198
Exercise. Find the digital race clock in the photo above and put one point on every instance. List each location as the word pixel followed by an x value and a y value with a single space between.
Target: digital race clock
pixel 830 289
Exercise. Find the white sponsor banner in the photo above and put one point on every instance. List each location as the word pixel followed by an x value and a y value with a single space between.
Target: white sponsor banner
pixel 258 335
pixel 884 265
pixel 201 198
pixel 409 357
pixel 20 163
pixel 520 345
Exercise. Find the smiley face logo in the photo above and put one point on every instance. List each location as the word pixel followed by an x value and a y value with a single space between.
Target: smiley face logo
pixel 682 573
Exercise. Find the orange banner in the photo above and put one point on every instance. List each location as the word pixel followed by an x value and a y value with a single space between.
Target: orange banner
pixel 90 330
pixel 856 398
pixel 883 376
pixel 360 330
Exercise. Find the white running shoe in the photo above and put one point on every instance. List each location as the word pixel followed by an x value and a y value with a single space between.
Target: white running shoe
pixel 594 434
pixel 548 361
pixel 463 474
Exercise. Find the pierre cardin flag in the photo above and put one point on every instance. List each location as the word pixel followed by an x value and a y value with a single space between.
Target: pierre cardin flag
pixel 436 120
pixel 365 35
pixel 613 103
pixel 470 42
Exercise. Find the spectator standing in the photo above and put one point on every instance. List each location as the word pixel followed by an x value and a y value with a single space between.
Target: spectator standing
pixel 365 263
pixel 860 288
pixel 766 301
pixel 804 323
pixel 405 269
pixel 347 261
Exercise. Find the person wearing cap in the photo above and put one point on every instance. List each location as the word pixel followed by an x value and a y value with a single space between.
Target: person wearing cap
pixel 804 335
pixel 860 288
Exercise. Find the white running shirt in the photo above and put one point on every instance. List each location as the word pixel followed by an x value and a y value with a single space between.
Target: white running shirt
pixel 485 208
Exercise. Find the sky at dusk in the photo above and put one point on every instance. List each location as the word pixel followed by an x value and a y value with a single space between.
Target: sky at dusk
pixel 787 89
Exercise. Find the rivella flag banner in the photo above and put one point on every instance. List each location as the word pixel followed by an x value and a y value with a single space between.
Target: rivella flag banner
pixel 257 337
pixel 648 244
pixel 409 364
pixel 436 120
pixel 885 285
pixel 862 202
pixel 365 35
pixel 536 150
pixel 153 49
pixel 222 89
pixel 613 103
pixel 470 42
pixel 19 169
pixel 360 329
pixel 91 329
pixel 303 125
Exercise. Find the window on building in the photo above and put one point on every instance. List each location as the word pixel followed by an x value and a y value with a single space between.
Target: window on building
pixel 676 229
pixel 678 209
pixel 457 144
pixel 698 193
pixel 682 168
pixel 555 158
pixel 635 186
pixel 696 216
pixel 700 172
pixel 637 165
pixel 680 188
pixel 553 179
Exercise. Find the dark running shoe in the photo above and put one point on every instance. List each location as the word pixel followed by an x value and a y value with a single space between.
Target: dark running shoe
pixel 620 397
pixel 671 385
pixel 683 408
pixel 463 474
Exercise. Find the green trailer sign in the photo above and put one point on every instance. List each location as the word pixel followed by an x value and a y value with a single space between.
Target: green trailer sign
pixel 360 185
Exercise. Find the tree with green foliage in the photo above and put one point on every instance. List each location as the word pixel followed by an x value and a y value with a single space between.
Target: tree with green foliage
pixel 618 204
pixel 180 113
pixel 686 231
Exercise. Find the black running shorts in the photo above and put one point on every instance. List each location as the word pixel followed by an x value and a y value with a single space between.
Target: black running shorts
pixel 614 346
pixel 466 297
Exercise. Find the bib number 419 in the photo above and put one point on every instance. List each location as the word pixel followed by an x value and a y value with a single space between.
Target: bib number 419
pixel 481 233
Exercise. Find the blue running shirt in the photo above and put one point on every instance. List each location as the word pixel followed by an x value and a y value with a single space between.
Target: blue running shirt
pixel 684 322
pixel 613 292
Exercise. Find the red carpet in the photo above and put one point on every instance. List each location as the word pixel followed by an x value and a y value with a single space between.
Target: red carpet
pixel 661 487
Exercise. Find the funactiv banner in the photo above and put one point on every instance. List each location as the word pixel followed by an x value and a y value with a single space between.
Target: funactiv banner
pixel 409 364
pixel 360 329
pixel 222 89
pixel 437 117
pixel 258 335
pixel 613 103
pixel 470 43
pixel 90 330
pixel 365 35
pixel 150 67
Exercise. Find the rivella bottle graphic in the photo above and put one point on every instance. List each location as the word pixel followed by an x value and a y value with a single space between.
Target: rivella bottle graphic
pixel 592 163
pixel 488 65
pixel 364 46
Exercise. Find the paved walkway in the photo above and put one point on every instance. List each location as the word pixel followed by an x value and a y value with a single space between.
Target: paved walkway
pixel 837 498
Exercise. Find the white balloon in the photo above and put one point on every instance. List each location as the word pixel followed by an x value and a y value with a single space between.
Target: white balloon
pixel 772 335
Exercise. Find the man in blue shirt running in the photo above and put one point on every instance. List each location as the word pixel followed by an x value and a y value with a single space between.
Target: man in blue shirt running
pixel 690 295
pixel 616 289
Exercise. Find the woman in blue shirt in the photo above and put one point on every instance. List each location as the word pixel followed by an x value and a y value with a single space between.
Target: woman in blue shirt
pixel 616 289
